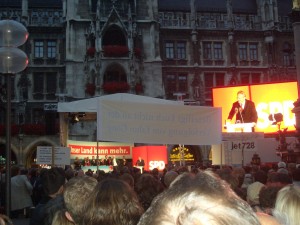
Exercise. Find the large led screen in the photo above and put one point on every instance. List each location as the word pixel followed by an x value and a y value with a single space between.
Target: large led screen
pixel 268 98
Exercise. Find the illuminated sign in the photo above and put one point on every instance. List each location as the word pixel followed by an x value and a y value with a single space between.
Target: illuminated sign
pixel 175 154
pixel 160 165
pixel 153 156
pixel 268 99
pixel 102 150
pixel 84 148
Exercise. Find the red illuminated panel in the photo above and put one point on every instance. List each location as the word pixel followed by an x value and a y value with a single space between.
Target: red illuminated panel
pixel 154 156
pixel 268 98
pixel 224 97
pixel 274 98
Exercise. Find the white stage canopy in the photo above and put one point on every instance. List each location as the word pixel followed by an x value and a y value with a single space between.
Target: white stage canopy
pixel 140 119
pixel 91 104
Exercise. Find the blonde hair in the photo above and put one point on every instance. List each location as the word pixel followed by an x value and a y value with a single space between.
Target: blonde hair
pixel 199 199
pixel 5 220
pixel 287 205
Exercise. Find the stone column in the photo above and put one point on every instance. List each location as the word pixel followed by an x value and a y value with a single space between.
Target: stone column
pixel 296 27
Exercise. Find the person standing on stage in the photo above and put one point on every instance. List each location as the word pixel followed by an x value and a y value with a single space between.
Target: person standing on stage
pixel 243 109
pixel 140 162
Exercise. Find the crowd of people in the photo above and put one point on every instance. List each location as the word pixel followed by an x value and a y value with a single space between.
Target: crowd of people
pixel 203 195
pixel 106 161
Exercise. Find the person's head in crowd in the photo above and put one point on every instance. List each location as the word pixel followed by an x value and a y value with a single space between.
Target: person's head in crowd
pixel 201 199
pixel 112 202
pixel 170 177
pixel 287 206
pixel 260 176
pixel 281 165
pixel 267 197
pixel 283 170
pixel 89 172
pixel 182 169
pixel 226 174
pixel 239 173
pixel 296 176
pixel 155 173
pixel 69 173
pixel 53 181
pixel 60 219
pixel 266 219
pixel 253 193
pixel 280 179
pixel 15 170
pixel 52 207
pixel 23 171
pixel 147 187
pixel 76 191
pixel 128 178
pixel 5 220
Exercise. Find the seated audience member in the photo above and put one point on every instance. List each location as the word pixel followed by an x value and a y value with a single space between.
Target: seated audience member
pixel 202 199
pixel 112 202
pixel 76 191
pixel 52 181
pixel 147 187
pixel 287 206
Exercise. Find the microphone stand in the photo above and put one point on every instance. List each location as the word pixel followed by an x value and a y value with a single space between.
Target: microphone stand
pixel 242 129
pixel 240 111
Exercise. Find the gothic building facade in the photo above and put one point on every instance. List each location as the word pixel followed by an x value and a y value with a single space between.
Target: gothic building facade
pixel 171 49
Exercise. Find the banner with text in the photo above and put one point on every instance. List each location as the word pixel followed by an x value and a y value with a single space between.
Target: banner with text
pixel 82 148
pixel 158 123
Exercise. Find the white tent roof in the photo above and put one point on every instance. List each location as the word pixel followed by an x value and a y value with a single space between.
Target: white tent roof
pixel 90 105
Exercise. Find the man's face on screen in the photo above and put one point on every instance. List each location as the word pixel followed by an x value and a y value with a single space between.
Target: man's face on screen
pixel 241 98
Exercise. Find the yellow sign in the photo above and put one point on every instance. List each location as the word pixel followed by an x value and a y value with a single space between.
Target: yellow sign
pixel 177 153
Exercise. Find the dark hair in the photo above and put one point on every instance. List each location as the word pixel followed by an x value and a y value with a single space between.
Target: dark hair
pixel 54 205
pixel 52 180
pixel 147 187
pixel 112 202
pixel 267 196
pixel 261 176
pixel 296 174
pixel 279 178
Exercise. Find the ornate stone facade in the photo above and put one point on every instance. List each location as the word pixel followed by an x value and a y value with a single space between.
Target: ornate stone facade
pixel 167 48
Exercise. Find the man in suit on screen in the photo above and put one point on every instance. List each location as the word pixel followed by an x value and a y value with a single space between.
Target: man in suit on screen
pixel 243 109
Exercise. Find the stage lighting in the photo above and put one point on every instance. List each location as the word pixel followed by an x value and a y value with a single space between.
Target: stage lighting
pixel 73 118
pixel 276 118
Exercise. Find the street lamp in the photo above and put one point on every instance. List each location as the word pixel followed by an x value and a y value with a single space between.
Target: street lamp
pixel 12 60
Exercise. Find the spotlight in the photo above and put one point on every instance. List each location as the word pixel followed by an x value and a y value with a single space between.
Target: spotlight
pixel 73 118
